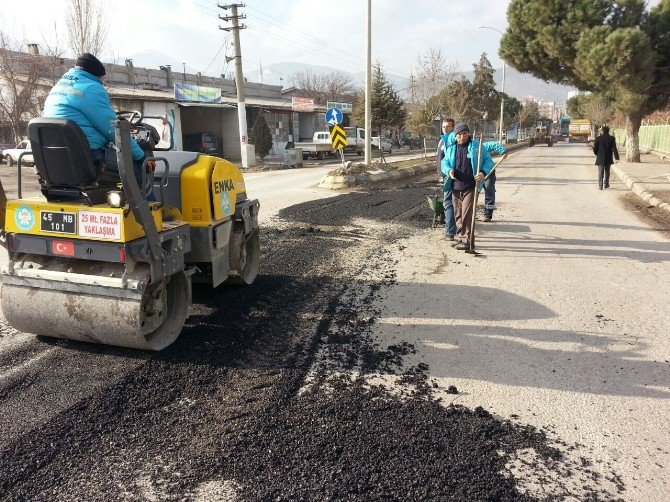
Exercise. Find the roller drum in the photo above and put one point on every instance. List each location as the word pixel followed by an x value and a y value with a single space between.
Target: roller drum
pixel 150 317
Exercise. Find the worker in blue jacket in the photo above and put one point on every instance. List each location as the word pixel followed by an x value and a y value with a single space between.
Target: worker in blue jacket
pixel 490 181
pixel 447 139
pixel 463 176
pixel 80 96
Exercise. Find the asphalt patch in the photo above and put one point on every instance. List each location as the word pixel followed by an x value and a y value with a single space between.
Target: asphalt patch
pixel 225 410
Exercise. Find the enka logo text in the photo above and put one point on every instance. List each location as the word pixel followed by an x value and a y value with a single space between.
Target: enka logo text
pixel 221 186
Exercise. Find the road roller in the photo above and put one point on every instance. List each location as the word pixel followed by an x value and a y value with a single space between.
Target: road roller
pixel 100 258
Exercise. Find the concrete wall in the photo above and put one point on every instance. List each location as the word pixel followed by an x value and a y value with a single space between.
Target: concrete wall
pixel 231 138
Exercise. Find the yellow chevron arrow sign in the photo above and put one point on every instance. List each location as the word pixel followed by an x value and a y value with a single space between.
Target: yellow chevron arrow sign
pixel 338 136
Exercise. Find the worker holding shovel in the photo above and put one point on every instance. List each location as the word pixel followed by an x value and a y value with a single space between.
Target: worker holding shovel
pixel 465 165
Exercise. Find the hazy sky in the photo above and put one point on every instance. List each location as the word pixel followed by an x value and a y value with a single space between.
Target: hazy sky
pixel 328 33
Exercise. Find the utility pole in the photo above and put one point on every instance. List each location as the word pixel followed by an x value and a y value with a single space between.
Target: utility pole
pixel 502 89
pixel 368 87
pixel 246 150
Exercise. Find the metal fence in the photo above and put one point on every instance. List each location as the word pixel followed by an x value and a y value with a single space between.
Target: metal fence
pixel 652 137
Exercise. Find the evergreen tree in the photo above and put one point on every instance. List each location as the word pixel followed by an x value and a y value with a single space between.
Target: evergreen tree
pixel 613 47
pixel 511 110
pixel 388 110
pixel 261 137
pixel 485 98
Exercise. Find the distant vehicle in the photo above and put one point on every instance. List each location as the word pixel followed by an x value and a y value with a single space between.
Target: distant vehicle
pixel 203 142
pixel 11 155
pixel 542 133
pixel 579 130
pixel 406 139
pixel 356 139
pixel 386 145
pixel 320 147
pixel 565 126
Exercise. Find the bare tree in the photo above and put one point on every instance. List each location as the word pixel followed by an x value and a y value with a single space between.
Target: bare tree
pixel 22 87
pixel 87 26
pixel 597 109
pixel 322 87
pixel 432 74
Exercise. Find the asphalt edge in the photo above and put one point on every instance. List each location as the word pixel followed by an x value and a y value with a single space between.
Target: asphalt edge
pixel 337 182
pixel 640 189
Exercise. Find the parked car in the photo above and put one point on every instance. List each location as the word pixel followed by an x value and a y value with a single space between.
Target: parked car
pixel 11 155
pixel 320 147
pixel 386 145
pixel 407 140
pixel 203 142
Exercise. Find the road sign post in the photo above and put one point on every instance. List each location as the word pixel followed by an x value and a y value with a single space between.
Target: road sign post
pixel 334 116
pixel 338 137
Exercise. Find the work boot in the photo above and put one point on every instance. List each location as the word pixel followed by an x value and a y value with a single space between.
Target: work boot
pixel 455 243
pixel 487 218
pixel 449 237
pixel 463 246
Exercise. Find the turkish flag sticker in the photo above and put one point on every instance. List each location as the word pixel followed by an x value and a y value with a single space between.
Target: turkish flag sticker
pixel 62 247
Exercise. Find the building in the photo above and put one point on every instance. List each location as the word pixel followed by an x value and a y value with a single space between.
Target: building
pixel 160 92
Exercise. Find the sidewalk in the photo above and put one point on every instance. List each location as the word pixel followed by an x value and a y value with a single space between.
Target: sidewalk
pixel 650 179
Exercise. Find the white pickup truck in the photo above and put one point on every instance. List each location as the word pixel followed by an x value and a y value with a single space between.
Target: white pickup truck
pixel 320 146
pixel 11 155
pixel 356 140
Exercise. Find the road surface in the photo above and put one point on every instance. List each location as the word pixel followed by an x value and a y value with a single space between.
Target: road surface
pixel 551 345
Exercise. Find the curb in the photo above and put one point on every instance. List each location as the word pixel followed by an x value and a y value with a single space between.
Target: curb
pixel 347 181
pixel 640 189
pixel 340 181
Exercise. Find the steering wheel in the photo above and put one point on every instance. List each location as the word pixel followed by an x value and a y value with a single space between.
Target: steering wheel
pixel 132 116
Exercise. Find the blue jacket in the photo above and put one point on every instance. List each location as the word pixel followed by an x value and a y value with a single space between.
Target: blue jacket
pixel 449 162
pixel 445 139
pixel 80 97
pixel 494 146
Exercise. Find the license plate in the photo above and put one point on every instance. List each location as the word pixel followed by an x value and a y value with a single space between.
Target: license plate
pixel 58 222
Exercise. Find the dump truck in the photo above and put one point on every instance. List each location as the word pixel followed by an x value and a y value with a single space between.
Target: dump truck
pixel 580 130
pixel 96 260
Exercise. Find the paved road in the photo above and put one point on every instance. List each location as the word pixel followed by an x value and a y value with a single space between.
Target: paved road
pixel 560 326
pixel 562 321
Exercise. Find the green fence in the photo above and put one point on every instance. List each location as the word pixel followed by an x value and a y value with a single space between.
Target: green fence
pixel 652 137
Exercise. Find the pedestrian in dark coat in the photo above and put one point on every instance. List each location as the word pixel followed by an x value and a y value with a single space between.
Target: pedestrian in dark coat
pixel 604 147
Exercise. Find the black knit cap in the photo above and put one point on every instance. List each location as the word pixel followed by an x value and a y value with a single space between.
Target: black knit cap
pixel 461 127
pixel 91 64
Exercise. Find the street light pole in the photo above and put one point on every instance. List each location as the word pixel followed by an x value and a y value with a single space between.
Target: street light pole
pixel 368 85
pixel 502 88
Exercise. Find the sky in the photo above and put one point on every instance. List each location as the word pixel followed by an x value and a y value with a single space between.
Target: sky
pixel 322 32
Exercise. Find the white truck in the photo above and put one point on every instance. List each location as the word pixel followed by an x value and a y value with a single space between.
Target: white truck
pixel 356 140
pixel 11 155
pixel 320 147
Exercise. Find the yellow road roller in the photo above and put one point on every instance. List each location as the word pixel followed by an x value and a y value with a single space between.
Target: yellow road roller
pixel 98 260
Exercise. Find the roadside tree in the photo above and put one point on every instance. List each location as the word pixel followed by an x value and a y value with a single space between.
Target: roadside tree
pixel 323 87
pixel 598 109
pixel 456 100
pixel 430 76
pixel 87 26
pixel 388 109
pixel 21 95
pixel 614 47
pixel 529 115
pixel 261 137
pixel 485 99
pixel 511 109
pixel 574 106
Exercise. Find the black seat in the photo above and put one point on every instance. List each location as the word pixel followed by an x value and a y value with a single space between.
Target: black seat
pixel 64 161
